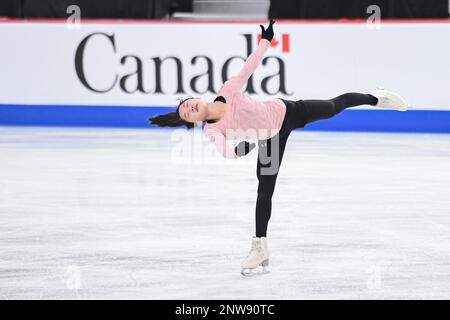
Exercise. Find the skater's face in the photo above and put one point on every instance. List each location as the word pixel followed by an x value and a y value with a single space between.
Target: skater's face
pixel 193 110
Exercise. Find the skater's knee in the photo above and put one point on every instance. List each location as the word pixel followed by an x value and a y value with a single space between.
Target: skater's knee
pixel 338 104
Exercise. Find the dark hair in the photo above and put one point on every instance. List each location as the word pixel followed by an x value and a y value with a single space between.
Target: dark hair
pixel 171 119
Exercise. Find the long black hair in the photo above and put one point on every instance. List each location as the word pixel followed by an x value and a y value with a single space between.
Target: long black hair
pixel 171 119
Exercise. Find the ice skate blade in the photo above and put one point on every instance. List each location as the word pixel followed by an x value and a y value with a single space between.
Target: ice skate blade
pixel 396 108
pixel 401 108
pixel 254 272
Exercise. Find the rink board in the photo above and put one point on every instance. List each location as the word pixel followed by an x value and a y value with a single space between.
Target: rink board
pixel 118 73
pixel 432 121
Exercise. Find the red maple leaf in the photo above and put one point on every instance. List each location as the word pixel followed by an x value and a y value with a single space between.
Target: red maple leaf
pixel 274 42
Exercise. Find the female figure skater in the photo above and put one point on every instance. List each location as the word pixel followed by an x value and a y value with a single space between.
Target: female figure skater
pixel 235 115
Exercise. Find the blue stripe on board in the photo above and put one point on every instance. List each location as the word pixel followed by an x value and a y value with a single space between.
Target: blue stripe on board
pixel 432 121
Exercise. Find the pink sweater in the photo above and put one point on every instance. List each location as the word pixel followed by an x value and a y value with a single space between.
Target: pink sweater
pixel 245 118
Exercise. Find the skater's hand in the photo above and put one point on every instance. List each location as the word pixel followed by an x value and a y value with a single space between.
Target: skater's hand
pixel 243 148
pixel 268 33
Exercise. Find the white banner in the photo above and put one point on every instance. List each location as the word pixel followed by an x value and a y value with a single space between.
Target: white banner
pixel 153 64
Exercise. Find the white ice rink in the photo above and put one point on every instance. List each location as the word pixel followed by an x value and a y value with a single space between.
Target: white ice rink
pixel 108 213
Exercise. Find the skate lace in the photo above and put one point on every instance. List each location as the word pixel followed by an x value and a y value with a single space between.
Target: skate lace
pixel 256 247
pixel 384 100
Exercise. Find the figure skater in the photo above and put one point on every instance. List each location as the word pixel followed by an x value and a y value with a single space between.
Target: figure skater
pixel 235 115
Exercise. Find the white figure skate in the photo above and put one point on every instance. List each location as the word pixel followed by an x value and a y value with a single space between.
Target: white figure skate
pixel 258 256
pixel 389 100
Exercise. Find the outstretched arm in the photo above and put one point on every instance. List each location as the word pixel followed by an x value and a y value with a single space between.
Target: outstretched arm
pixel 254 59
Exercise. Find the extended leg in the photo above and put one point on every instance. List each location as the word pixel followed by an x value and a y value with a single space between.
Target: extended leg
pixel 324 109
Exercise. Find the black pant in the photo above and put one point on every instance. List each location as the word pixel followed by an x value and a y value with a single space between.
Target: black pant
pixel 270 152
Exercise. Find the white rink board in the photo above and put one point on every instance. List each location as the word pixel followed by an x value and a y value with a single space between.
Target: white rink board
pixel 324 60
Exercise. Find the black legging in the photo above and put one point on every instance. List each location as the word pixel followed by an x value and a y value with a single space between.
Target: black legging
pixel 298 114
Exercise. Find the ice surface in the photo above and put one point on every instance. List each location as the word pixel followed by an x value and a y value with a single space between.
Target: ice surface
pixel 108 213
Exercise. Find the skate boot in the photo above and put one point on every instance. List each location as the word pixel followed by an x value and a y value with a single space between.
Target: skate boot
pixel 258 256
pixel 389 100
